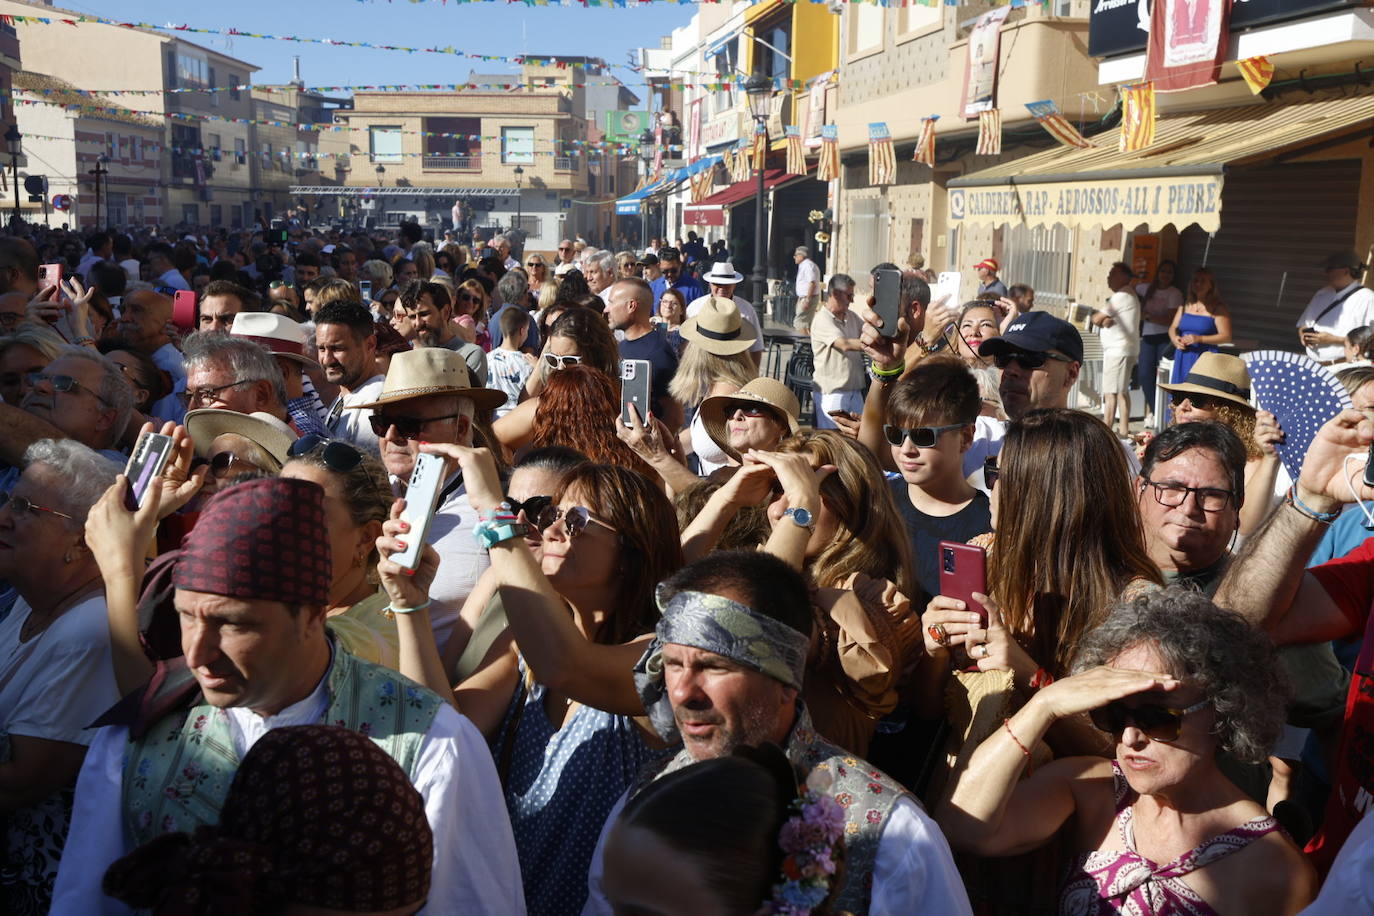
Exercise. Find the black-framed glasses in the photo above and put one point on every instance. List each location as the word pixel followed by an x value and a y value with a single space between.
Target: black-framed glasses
pixel 1159 723
pixel 1197 401
pixel 207 395
pixel 1211 499
pixel 556 362
pixel 338 455
pixel 406 427
pixel 19 504
pixel 991 472
pixel 1027 360
pixel 575 519
pixel 533 507
pixel 63 383
pixel 920 436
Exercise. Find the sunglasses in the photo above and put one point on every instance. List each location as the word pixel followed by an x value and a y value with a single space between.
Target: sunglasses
pixel 556 362
pixel 1197 401
pixel 920 436
pixel 280 284
pixel 19 504
pixel 991 472
pixel 575 519
pixel 206 395
pixel 533 507
pixel 752 411
pixel 406 427
pixel 337 454
pixel 222 463
pixel 565 249
pixel 468 297
pixel 1027 361
pixel 534 263
pixel 63 383
pixel 1159 723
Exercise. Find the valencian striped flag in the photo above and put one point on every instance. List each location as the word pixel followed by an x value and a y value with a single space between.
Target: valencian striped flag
pixel 1258 71
pixel 1047 113
pixel 828 167
pixel 760 149
pixel 1137 116
pixel 882 161
pixel 925 144
pixel 796 156
pixel 701 184
pixel 742 164
pixel 989 132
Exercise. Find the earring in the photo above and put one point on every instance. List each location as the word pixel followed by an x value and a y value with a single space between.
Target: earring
pixel 68 557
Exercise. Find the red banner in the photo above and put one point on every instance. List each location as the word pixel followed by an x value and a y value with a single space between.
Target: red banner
pixel 1187 43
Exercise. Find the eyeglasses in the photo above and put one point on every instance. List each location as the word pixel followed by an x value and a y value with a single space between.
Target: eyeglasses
pixel 991 472
pixel 278 284
pixel 1193 399
pixel 749 410
pixel 556 362
pixel 920 436
pixel 337 454
pixel 1027 361
pixel 222 463
pixel 207 395
pixel 575 519
pixel 406 427
pixel 533 507
pixel 19 504
pixel 1211 499
pixel 63 383
pixel 1159 723
pixel 565 249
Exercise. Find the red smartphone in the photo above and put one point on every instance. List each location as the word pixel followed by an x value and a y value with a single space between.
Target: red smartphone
pixel 963 571
pixel 184 310
pixel 49 275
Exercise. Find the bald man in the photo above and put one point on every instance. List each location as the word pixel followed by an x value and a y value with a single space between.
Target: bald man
pixel 143 321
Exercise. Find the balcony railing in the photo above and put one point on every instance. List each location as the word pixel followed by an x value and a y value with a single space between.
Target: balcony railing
pixel 453 163
pixel 564 164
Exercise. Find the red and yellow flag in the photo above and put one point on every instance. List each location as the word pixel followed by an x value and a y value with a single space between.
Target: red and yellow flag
pixel 828 166
pixel 925 144
pixel 989 132
pixel 882 160
pixel 1137 116
pixel 760 147
pixel 796 155
pixel 1258 71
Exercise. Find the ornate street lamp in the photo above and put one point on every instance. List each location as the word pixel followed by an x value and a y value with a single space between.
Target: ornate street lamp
pixel 758 89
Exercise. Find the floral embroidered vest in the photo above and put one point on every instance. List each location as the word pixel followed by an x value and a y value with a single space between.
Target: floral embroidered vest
pixel 177 776
pixel 866 793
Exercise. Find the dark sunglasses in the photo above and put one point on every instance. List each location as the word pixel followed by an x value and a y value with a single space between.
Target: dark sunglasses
pixel 63 383
pixel 222 463
pixel 565 249
pixel 990 472
pixel 575 519
pixel 1160 723
pixel 19 504
pixel 468 297
pixel 920 436
pixel 278 284
pixel 406 427
pixel 337 454
pixel 1198 401
pixel 749 410
pixel 1027 361
pixel 533 507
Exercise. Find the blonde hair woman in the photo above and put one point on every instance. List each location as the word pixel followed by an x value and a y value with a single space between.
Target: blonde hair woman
pixel 715 361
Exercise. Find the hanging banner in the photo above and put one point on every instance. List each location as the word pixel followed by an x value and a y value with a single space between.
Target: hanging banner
pixel 980 68
pixel 989 132
pixel 1187 43
pixel 1137 117
pixel 828 167
pixel 925 144
pixel 1258 71
pixel 760 149
pixel 882 161
pixel 796 155
pixel 1047 113
pixel 1157 202
pixel 742 165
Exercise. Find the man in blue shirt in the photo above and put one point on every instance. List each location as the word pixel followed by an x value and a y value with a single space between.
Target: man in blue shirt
pixel 675 277
pixel 627 310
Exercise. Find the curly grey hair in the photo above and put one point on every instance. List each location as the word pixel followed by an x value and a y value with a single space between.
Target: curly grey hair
pixel 1221 652
pixel 114 391
pixel 247 361
pixel 84 472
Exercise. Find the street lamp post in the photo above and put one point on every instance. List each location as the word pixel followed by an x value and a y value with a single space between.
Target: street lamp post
pixel 646 155
pixel 14 142
pixel 519 200
pixel 381 181
pixel 759 90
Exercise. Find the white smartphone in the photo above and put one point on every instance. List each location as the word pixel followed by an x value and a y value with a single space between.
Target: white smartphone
pixel 948 284
pixel 634 389
pixel 422 497
pixel 149 457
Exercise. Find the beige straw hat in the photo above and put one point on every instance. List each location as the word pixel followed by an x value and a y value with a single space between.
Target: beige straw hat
pixel 766 391
pixel 718 328
pixel 262 429
pixel 431 370
pixel 1217 375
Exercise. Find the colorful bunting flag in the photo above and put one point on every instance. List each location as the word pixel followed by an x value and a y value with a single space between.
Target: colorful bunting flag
pixel 1258 71
pixel 989 132
pixel 1047 113
pixel 1137 116
pixel 828 167
pixel 760 150
pixel 882 161
pixel 796 154
pixel 925 144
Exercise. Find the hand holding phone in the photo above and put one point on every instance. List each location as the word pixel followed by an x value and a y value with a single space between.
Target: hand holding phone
pixel 422 498
pixel 634 389
pixel 963 571
pixel 184 310
pixel 147 461
pixel 887 300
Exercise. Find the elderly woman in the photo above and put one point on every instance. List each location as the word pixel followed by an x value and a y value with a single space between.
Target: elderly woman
pixel 56 671
pixel 1159 828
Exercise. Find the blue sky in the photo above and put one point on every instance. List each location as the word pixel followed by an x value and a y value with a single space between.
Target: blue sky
pixel 480 28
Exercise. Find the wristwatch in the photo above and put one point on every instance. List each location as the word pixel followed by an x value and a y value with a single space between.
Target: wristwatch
pixel 801 516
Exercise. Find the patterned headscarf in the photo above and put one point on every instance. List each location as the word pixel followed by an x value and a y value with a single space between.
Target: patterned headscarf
pixel 716 624
pixel 264 539
pixel 317 815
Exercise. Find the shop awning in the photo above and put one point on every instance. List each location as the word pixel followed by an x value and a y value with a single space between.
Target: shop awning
pixel 630 203
pixel 737 193
pixel 334 190
pixel 1176 181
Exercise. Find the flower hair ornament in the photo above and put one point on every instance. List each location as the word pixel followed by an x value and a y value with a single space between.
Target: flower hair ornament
pixel 812 843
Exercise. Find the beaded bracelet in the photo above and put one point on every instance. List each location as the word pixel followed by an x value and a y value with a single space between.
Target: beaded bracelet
pixel 1321 518
pixel 391 610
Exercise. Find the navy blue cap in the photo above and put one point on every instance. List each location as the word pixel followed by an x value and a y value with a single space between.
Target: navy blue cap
pixel 1036 332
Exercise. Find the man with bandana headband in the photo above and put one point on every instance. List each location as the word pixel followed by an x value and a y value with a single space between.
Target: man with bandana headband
pixel 251 586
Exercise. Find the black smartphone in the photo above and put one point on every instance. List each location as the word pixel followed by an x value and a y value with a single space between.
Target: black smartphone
pixel 887 299
pixel 1369 468
pixel 634 389
pixel 276 236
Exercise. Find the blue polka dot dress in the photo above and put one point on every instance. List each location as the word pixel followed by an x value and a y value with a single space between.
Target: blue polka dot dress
pixel 561 787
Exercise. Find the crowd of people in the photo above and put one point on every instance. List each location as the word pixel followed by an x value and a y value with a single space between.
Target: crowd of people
pixel 949 647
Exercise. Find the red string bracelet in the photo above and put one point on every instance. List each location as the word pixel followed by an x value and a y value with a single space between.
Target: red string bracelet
pixel 1030 761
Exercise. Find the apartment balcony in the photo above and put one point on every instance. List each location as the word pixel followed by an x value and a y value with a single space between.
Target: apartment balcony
pixel 452 163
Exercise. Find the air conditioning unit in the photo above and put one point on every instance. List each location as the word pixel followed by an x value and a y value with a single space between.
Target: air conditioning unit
pixel 622 126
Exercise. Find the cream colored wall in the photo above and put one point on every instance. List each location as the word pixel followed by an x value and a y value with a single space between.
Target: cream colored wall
pixel 91 56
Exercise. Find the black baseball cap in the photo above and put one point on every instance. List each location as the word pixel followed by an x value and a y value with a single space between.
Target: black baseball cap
pixel 648 260
pixel 1036 332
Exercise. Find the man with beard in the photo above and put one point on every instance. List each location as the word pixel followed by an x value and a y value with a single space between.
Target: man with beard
pixel 430 308
pixel 346 342
pixel 725 671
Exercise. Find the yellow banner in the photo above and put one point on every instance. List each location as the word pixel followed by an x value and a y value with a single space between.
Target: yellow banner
pixel 1156 202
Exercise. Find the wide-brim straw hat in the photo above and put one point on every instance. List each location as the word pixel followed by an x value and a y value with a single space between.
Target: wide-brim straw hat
pixel 262 429
pixel 1217 375
pixel 719 328
pixel 276 334
pixel 431 370
pixel 766 391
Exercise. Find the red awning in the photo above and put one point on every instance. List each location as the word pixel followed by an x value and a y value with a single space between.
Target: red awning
pixel 740 191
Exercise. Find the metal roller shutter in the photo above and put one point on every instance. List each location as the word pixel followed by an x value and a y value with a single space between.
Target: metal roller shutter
pixel 1275 219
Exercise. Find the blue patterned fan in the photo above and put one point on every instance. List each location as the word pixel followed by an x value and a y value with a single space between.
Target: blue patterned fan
pixel 1301 394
